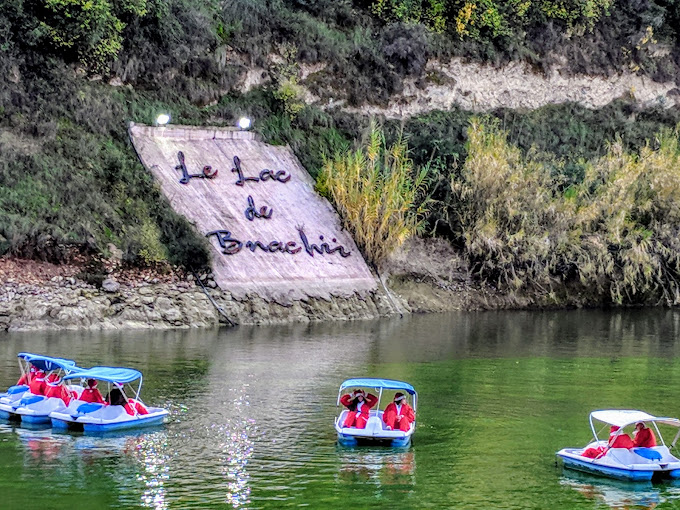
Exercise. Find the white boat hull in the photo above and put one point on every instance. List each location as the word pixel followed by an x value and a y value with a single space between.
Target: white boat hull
pixel 623 464
pixel 374 433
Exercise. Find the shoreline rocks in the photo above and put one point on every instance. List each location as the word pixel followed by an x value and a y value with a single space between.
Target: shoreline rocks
pixel 62 305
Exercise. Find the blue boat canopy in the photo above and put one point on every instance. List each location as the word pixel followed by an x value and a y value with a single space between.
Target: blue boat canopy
pixel 388 384
pixel 48 363
pixel 110 374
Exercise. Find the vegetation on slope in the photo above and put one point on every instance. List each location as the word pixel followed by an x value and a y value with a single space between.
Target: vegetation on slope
pixel 612 237
pixel 73 73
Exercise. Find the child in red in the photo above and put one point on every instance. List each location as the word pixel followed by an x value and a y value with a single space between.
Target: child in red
pixel 615 441
pixel 37 384
pixel 91 393
pixel 399 415
pixel 133 405
pixel 359 405
pixel 644 436
pixel 56 389
pixel 25 379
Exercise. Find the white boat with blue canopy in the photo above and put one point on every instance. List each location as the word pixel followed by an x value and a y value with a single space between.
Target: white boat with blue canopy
pixel 18 403
pixel 375 432
pixel 98 418
pixel 632 464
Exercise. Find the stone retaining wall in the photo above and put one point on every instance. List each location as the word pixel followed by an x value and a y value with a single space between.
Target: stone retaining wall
pixel 70 304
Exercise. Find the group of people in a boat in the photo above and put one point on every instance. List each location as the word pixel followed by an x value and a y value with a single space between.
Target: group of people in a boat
pixel 643 437
pixel 398 415
pixel 52 386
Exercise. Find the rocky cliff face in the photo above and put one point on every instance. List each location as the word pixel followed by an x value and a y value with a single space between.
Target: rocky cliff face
pixel 477 87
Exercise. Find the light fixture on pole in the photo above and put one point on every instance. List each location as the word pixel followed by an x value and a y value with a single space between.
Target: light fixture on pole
pixel 162 119
pixel 244 123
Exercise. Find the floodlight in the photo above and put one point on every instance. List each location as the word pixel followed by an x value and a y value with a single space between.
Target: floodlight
pixel 162 119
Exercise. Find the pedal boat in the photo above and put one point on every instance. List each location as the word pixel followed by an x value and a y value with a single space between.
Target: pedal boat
pixel 18 403
pixel 16 392
pixel 99 418
pixel 375 432
pixel 634 464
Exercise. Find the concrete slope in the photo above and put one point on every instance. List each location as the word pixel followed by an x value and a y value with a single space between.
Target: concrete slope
pixel 272 235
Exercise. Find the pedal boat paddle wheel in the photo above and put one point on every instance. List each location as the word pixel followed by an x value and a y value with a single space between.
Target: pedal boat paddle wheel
pixel 18 403
pixel 375 432
pixel 99 418
pixel 631 464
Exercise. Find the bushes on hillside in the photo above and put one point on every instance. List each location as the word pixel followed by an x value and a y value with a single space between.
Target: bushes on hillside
pixel 615 235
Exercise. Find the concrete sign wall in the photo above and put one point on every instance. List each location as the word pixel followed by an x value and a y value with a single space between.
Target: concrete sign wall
pixel 272 234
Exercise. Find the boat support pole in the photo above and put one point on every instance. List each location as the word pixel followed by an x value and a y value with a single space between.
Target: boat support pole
pixel 675 439
pixel 217 307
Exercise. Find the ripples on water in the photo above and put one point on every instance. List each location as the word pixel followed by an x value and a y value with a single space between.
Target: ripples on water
pixel 252 413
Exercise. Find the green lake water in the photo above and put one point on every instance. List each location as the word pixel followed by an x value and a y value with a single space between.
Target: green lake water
pixel 252 412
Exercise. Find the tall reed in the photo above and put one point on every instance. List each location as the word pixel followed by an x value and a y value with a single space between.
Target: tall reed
pixel 377 192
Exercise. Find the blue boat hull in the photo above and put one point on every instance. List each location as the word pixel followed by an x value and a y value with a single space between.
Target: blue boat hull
pixel 612 472
pixel 107 427
pixel 348 440
pixel 35 419
pixel 4 415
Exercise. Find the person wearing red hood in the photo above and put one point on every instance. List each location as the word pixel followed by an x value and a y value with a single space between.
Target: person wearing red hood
pixel 615 441
pixel 91 393
pixel 37 384
pixel 644 436
pixel 57 389
pixel 359 404
pixel 117 397
pixel 398 414
pixel 25 379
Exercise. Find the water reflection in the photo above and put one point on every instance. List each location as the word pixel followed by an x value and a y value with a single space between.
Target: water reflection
pixel 615 494
pixel 140 456
pixel 377 466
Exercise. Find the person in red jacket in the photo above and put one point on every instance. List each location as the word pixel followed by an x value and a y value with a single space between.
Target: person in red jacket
pixel 359 404
pixel 25 379
pixel 644 436
pixel 37 384
pixel 398 414
pixel 57 389
pixel 615 441
pixel 619 440
pixel 91 393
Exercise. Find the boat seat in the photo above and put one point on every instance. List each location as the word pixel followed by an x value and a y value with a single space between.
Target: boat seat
pixel 13 390
pixel 110 412
pixel 87 407
pixel 31 399
pixel 648 453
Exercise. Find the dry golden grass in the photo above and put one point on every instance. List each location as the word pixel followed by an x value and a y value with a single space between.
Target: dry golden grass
pixel 377 193
pixel 616 233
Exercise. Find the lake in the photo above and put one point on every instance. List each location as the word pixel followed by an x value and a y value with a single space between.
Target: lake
pixel 252 412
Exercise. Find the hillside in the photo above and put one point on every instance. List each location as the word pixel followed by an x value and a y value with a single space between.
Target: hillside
pixel 74 74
